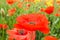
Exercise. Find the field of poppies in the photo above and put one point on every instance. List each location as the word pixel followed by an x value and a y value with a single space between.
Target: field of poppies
pixel 29 19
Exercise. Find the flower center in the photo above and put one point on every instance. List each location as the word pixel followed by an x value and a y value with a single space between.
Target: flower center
pixel 33 23
pixel 14 39
pixel 22 32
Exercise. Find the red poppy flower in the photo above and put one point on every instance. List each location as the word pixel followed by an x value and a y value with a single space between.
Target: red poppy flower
pixel 11 11
pixel 49 10
pixel 28 5
pixel 3 26
pixel 42 9
pixel 57 15
pixel 21 34
pixel 33 22
pixel 50 38
pixel 20 4
pixel 0 25
pixel 10 2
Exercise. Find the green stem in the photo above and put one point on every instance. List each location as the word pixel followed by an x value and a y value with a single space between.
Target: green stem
pixel 2 34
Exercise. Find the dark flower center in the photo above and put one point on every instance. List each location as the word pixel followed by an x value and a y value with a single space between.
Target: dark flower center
pixel 33 23
pixel 22 32
pixel 14 39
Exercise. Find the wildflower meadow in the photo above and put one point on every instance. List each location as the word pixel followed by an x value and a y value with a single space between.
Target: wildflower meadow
pixel 29 19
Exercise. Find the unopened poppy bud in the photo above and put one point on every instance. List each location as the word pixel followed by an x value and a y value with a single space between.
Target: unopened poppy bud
pixel 2 12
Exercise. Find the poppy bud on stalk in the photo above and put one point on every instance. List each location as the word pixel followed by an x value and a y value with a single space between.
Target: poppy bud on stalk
pixel 2 12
